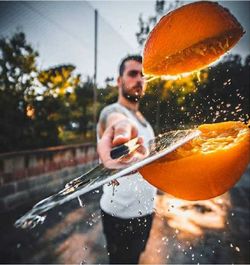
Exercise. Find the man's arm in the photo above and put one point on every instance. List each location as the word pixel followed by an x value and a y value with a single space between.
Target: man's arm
pixel 114 129
pixel 124 128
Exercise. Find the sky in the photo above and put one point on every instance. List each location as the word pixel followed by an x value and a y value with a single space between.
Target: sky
pixel 63 32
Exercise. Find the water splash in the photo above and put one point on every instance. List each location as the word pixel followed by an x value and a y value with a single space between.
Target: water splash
pixel 100 175
pixel 80 202
pixel 30 221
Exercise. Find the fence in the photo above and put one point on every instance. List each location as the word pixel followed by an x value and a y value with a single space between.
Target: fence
pixel 30 175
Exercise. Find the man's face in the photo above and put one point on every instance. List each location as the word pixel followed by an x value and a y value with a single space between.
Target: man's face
pixel 132 81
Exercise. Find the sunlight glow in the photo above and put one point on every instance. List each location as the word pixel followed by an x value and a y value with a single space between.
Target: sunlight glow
pixel 192 217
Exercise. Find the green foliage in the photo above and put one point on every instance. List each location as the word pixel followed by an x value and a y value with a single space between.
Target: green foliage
pixel 36 106
pixel 54 106
pixel 58 80
pixel 83 115
pixel 106 96
pixel 17 90
pixel 220 94
pixel 59 84
pixel 225 95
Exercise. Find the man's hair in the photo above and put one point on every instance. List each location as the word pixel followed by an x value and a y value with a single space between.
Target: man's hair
pixel 134 57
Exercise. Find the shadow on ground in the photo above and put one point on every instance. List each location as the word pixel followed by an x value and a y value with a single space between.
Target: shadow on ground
pixel 211 231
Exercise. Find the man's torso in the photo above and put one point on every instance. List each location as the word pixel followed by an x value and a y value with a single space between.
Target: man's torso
pixel 134 196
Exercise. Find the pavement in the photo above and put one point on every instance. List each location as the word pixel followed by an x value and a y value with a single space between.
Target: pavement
pixel 215 231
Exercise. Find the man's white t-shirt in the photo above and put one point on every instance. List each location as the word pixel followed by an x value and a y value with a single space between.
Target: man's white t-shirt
pixel 134 196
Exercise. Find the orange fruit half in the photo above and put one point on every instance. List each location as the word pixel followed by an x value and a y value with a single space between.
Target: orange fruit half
pixel 190 38
pixel 205 167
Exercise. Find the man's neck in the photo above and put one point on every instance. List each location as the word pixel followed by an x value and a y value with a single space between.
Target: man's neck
pixel 128 104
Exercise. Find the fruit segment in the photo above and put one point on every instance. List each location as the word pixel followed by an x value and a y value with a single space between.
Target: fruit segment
pixel 205 167
pixel 190 38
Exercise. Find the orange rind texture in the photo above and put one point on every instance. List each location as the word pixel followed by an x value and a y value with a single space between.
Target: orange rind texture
pixel 205 167
pixel 190 38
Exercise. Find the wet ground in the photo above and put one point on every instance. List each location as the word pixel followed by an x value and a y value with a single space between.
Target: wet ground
pixel 211 231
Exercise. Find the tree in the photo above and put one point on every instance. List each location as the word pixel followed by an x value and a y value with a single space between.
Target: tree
pixel 214 94
pixel 17 89
pixel 36 106
pixel 220 93
pixel 59 84
pixel 83 111
pixel 225 95
pixel 58 81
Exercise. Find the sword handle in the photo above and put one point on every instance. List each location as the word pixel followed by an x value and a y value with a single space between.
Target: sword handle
pixel 124 149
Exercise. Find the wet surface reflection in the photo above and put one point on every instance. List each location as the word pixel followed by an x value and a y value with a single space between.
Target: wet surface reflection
pixel 211 231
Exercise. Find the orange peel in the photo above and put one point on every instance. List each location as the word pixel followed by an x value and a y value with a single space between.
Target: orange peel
pixel 190 38
pixel 205 167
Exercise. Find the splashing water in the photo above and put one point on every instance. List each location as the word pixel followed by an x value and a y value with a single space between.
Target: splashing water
pixel 157 147
pixel 80 202
pixel 31 221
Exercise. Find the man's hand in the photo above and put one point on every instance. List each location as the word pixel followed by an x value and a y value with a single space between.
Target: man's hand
pixel 118 133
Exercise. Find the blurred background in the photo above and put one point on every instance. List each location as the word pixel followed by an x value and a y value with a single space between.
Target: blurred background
pixel 58 68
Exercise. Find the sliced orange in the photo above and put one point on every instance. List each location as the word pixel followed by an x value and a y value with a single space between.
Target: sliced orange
pixel 205 167
pixel 190 38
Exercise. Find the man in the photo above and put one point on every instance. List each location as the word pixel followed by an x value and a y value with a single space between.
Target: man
pixel 127 211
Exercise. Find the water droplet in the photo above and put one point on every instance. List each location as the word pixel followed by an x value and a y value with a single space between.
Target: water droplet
pixel 237 249
pixel 80 202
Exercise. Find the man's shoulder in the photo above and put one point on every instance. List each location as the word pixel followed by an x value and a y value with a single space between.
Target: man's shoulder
pixel 107 110
pixel 110 107
pixel 114 107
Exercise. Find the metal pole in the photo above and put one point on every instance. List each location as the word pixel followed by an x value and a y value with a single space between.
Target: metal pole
pixel 95 73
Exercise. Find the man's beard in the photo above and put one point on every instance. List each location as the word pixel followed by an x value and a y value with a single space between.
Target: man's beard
pixel 134 98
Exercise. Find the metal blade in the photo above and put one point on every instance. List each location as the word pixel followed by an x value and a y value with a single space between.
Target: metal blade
pixel 158 147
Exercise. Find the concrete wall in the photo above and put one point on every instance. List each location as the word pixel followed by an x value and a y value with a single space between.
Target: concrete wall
pixel 32 175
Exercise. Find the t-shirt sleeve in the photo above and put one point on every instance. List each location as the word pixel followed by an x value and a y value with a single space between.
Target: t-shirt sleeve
pixel 107 111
